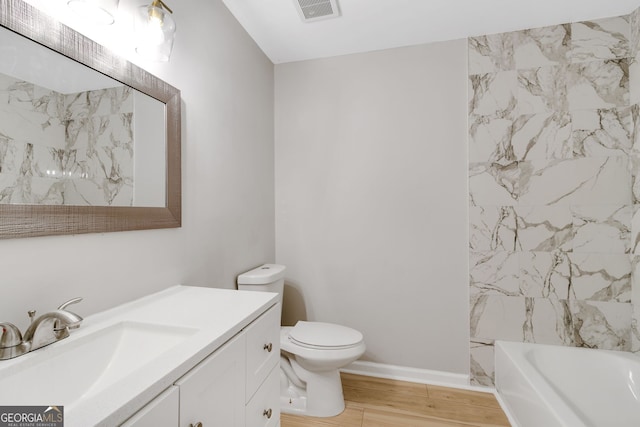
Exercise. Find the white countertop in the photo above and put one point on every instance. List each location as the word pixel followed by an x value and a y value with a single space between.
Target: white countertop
pixel 214 316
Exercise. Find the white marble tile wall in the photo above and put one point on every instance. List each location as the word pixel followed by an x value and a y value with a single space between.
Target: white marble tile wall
pixel 74 149
pixel 634 95
pixel 553 161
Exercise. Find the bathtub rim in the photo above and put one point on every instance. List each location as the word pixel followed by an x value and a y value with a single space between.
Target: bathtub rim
pixel 540 389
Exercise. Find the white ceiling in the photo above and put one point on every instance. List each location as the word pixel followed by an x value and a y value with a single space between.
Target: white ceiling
pixel 366 25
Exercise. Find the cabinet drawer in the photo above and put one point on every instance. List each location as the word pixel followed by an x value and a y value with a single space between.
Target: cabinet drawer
pixel 263 348
pixel 263 410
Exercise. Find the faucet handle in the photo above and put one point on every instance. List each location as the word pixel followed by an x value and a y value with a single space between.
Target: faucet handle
pixel 10 335
pixel 64 305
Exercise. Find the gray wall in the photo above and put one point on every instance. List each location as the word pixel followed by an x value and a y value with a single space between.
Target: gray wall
pixel 370 199
pixel 228 189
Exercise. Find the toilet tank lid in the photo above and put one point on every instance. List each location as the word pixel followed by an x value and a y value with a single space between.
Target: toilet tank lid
pixel 262 275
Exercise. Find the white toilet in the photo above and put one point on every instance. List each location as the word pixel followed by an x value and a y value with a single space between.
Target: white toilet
pixel 311 353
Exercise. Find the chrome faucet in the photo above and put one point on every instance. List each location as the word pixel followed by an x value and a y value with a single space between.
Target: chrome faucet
pixel 11 343
pixel 46 329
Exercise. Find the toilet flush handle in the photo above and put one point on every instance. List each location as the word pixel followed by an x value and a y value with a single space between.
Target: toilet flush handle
pixel 268 347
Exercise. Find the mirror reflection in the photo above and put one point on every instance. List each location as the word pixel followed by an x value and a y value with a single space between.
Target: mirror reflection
pixel 70 135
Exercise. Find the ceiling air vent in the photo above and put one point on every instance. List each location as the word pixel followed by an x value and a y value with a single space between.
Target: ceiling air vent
pixel 315 10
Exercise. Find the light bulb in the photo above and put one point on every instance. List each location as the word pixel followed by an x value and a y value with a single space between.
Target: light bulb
pixel 156 15
pixel 155 30
pixel 155 33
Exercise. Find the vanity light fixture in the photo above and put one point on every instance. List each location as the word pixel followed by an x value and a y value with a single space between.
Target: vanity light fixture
pixel 155 30
pixel 99 11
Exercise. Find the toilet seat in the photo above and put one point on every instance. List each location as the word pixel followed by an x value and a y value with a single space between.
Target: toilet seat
pixel 324 336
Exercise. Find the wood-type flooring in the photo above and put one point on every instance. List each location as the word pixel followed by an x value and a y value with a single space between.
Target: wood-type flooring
pixel 378 402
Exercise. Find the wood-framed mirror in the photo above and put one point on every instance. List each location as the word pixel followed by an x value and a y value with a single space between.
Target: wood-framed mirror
pixel 86 166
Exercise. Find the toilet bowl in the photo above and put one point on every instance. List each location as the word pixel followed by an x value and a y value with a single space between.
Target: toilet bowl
pixel 311 353
pixel 316 351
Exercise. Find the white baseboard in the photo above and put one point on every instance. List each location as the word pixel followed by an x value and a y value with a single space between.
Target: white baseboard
pixel 414 375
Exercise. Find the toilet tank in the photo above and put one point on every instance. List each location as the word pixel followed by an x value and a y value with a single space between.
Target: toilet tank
pixel 266 278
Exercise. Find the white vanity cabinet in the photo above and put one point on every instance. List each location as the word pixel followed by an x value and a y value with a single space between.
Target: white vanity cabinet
pixel 212 393
pixel 262 371
pixel 235 386
pixel 163 411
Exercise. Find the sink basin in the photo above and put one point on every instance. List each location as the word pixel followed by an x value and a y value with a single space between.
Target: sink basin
pixel 68 371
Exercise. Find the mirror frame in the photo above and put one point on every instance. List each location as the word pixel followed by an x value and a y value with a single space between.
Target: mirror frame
pixel 43 220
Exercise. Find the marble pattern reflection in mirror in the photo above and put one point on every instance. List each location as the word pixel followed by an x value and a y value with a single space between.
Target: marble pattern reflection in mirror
pixel 88 141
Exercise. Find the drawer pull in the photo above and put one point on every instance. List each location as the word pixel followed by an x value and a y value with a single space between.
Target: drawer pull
pixel 268 347
pixel 267 413
pixel 195 425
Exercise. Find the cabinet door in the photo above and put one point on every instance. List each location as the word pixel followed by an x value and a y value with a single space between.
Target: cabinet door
pixel 263 410
pixel 212 393
pixel 263 348
pixel 160 412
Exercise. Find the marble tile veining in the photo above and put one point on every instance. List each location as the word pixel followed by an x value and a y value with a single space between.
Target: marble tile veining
pixel 493 93
pixel 602 228
pixel 542 90
pixel 598 84
pixel 545 228
pixel 634 32
pixel 494 184
pixel 607 132
pixel 490 139
pixel 494 273
pixel 634 81
pixel 591 324
pixel 575 181
pixel 554 188
pixel 541 47
pixel 65 148
pixel 542 136
pixel 482 366
pixel 600 39
pixel 490 53
pixel 492 321
pixel 546 275
pixel 601 277
pixel 493 228
pixel 634 238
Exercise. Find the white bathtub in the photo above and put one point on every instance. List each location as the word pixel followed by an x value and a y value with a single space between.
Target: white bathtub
pixel 544 385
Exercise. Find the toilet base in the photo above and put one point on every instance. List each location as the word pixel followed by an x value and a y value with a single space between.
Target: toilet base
pixel 322 396
pixel 293 405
